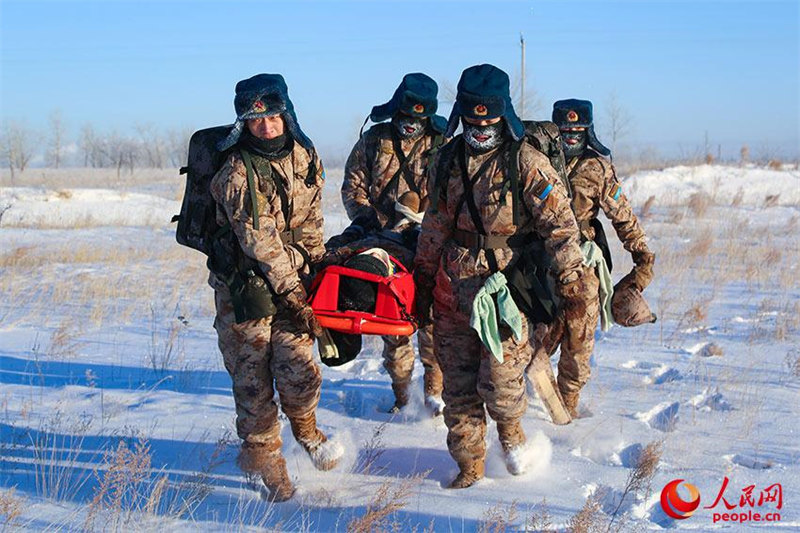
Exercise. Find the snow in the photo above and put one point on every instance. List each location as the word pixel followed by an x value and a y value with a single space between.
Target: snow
pixel 106 337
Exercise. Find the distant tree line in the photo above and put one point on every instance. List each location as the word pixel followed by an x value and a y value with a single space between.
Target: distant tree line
pixel 144 147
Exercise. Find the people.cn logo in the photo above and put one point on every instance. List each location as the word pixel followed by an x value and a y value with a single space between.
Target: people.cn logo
pixel 675 506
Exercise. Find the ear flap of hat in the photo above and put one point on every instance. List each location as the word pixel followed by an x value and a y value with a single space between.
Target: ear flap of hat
pixel 592 140
pixel 233 136
pixel 515 126
pixel 438 123
pixel 453 121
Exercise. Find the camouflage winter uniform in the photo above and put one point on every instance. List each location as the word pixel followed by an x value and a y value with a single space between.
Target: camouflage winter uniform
pixel 256 352
pixel 594 187
pixel 368 173
pixel 472 376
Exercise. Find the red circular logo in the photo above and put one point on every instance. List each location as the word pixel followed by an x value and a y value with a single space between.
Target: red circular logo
pixel 572 116
pixel 419 108
pixel 480 110
pixel 675 506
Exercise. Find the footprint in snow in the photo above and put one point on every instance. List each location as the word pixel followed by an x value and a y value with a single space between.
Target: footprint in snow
pixel 663 417
pixel 629 455
pixel 633 364
pixel 749 461
pixel 663 374
pixel 708 401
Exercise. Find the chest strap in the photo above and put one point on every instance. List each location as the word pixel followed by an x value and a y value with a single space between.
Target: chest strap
pixel 470 239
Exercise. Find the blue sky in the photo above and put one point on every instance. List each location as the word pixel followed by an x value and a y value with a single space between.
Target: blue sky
pixel 679 69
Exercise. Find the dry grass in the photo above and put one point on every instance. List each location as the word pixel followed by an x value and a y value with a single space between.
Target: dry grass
pixel 11 507
pixel 390 498
pixel 371 451
pixel 701 244
pixel 539 519
pixel 498 519
pixel 645 211
pixel 792 362
pixel 771 200
pixel 589 519
pixel 699 203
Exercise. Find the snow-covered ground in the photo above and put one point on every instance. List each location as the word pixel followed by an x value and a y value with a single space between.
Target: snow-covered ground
pixel 116 412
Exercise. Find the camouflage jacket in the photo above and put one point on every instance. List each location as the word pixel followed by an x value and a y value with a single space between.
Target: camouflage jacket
pixel 282 264
pixel 372 164
pixel 594 187
pixel 545 212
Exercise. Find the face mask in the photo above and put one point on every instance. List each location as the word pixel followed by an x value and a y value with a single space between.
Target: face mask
pixel 408 127
pixel 483 138
pixel 574 143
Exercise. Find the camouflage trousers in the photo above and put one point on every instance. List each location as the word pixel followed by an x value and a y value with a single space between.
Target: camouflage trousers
pixel 577 341
pixel 474 380
pixel 261 356
pixel 398 360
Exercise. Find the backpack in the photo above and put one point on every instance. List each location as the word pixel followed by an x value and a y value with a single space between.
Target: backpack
pixel 545 137
pixel 197 221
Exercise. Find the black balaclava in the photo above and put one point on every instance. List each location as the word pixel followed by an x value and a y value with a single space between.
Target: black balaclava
pixel 276 148
pixel 496 134
pixel 409 127
pixel 573 150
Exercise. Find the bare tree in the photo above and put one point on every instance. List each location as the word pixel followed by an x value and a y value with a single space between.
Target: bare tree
pixel 119 151
pixel 90 146
pixel 619 120
pixel 55 149
pixel 178 145
pixel 152 146
pixel 17 146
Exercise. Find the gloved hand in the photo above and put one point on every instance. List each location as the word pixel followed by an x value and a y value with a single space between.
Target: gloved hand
pixel 574 296
pixel 642 273
pixel 369 221
pixel 424 297
pixel 301 313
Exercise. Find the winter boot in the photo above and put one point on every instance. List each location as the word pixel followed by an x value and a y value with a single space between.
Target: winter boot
pixel 432 381
pixel 400 396
pixel 434 404
pixel 470 473
pixel 571 402
pixel 266 460
pixel 324 454
pixel 512 439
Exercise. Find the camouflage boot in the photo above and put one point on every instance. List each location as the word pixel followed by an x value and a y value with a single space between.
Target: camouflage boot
pixel 512 439
pixel 266 460
pixel 571 402
pixel 400 396
pixel 432 381
pixel 324 454
pixel 470 473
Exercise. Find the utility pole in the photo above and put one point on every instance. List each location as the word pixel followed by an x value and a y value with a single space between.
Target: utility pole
pixel 522 79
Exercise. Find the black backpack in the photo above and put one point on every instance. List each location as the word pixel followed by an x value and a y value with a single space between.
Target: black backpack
pixel 197 221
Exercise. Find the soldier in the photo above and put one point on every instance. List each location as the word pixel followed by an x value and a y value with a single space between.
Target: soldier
pixel 268 194
pixel 468 234
pixel 390 159
pixel 594 186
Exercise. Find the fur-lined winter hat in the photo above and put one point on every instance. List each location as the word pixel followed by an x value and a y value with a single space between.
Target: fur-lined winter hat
pixel 415 96
pixel 263 95
pixel 574 113
pixel 484 93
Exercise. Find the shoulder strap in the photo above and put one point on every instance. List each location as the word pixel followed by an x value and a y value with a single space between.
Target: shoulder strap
pixel 251 185
pixel 402 170
pixel 442 174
